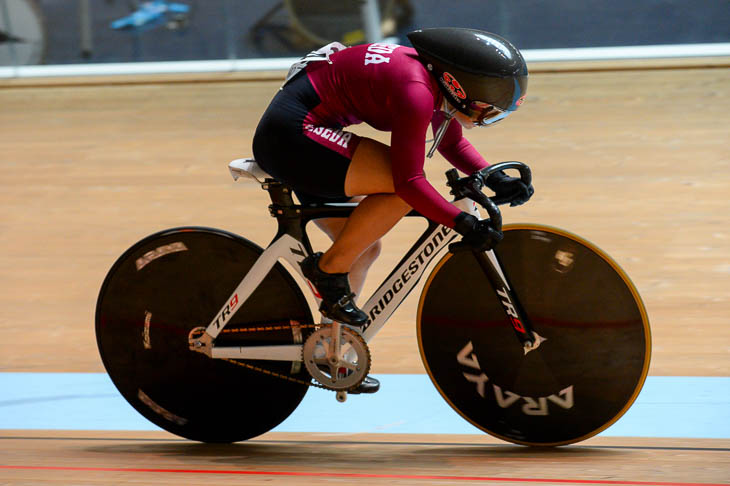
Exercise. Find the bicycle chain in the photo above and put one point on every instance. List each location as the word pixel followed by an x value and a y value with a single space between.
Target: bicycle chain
pixel 311 382
pixel 268 328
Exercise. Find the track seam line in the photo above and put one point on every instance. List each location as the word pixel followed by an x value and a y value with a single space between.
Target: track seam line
pixel 358 475
pixel 573 448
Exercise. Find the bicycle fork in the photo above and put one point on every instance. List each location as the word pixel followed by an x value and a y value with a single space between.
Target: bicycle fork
pixel 495 273
pixel 492 267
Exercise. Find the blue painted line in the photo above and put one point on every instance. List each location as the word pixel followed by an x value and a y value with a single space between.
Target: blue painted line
pixel 683 407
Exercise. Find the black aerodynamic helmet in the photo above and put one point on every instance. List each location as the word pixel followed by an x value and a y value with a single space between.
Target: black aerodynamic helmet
pixel 481 74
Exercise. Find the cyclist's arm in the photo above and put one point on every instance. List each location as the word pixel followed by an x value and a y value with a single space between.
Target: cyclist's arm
pixel 412 111
pixel 457 149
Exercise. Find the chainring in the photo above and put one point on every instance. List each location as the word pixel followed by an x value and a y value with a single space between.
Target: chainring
pixel 336 369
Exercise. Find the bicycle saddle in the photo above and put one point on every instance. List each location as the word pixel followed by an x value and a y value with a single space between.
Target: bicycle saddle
pixel 248 168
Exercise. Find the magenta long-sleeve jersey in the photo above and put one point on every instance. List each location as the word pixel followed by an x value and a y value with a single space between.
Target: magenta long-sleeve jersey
pixel 387 87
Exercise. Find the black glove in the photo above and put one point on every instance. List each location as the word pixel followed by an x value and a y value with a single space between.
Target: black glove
pixel 508 188
pixel 478 235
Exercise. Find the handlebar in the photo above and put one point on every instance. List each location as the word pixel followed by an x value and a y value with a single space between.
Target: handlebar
pixel 525 172
pixel 471 186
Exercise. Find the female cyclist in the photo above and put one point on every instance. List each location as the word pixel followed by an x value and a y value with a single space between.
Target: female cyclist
pixel 476 77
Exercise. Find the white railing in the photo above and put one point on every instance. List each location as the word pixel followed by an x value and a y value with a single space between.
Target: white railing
pixel 282 64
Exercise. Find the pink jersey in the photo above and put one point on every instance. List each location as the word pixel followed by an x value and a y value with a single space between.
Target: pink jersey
pixel 387 87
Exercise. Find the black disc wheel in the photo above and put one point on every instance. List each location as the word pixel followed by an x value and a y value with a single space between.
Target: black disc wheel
pixel 171 283
pixel 580 380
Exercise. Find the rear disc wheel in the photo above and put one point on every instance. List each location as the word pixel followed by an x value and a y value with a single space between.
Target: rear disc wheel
pixel 171 283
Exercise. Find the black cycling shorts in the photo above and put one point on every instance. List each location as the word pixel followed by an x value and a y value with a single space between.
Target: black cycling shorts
pixel 299 154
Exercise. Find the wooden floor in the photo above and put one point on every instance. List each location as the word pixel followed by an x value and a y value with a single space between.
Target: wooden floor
pixel 637 161
pixel 156 458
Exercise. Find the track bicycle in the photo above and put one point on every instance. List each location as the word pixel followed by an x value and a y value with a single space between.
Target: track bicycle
pixel 542 341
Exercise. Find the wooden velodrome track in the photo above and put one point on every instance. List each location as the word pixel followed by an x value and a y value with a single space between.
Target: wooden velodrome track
pixel 632 156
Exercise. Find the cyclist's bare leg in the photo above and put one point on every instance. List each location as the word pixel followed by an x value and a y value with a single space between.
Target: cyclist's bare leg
pixel 332 227
pixel 369 174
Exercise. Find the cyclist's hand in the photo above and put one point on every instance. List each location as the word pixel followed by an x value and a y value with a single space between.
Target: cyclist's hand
pixel 508 188
pixel 478 235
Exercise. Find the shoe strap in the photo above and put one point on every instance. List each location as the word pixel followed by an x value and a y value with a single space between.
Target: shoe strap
pixel 345 299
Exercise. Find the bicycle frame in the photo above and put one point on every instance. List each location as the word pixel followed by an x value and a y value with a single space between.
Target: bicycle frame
pixel 291 244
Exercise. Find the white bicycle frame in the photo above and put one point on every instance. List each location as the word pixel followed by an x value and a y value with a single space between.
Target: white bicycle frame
pixel 381 305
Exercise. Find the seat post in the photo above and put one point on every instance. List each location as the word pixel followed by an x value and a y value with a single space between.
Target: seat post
pixel 280 194
pixel 288 215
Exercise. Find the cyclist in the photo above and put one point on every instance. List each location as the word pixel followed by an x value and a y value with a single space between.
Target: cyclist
pixel 473 76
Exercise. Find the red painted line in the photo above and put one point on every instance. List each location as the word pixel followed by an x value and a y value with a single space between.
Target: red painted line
pixel 358 475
